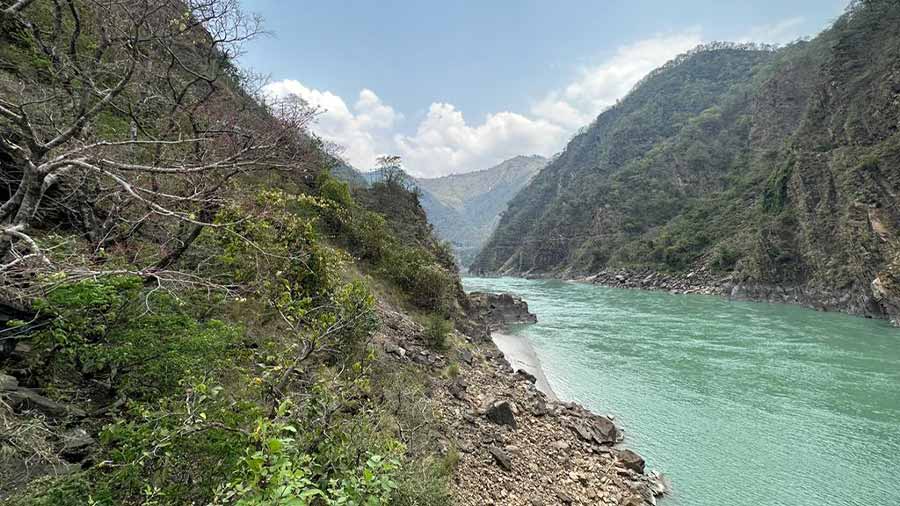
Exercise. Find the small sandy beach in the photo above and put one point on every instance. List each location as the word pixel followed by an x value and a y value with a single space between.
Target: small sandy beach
pixel 521 355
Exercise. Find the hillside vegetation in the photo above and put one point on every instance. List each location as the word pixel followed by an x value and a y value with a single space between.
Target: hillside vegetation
pixel 188 299
pixel 465 208
pixel 775 170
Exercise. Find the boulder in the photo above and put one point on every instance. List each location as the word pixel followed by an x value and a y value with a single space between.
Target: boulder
pixel 539 408
pixel 499 310
pixel 596 429
pixel 77 443
pixel 457 389
pixel 564 497
pixel 502 413
pixel 605 430
pixel 501 458
pixel 25 398
pixel 8 383
pixel 394 349
pixel 527 375
pixel 631 460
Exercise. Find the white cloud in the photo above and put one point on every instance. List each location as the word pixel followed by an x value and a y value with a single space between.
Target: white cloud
pixel 364 132
pixel 444 142
pixel 599 87
pixel 781 32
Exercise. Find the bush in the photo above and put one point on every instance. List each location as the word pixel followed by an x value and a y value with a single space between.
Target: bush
pixel 437 329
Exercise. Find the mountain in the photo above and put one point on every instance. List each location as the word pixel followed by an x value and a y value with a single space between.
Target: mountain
pixel 465 208
pixel 776 170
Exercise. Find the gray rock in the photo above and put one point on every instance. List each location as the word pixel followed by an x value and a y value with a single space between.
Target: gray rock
pixel 539 408
pixel 605 430
pixel 77 444
pixel 632 460
pixel 527 375
pixel 499 310
pixel 394 349
pixel 582 431
pixel 559 445
pixel 501 413
pixel 8 383
pixel 564 497
pixel 466 356
pixel 27 398
pixel 598 430
pixel 458 389
pixel 501 458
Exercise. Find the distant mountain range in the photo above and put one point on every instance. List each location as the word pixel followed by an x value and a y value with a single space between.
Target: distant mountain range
pixel 463 208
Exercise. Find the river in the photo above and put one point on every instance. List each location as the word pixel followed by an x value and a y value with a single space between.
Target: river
pixel 737 403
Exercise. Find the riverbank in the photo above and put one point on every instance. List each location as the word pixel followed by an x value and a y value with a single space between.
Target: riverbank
pixel 699 282
pixel 512 443
pixel 853 300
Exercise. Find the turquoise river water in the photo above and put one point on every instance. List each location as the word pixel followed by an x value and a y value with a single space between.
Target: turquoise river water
pixel 737 403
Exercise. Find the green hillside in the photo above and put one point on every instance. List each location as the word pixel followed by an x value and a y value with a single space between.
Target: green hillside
pixel 188 300
pixel 776 168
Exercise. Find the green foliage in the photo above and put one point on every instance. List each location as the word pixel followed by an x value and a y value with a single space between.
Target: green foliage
pixel 276 471
pixel 104 327
pixel 396 241
pixel 437 329
pixel 775 195
pixel 198 425
pixel 429 285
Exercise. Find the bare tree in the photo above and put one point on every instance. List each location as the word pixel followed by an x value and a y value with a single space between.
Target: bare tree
pixel 129 120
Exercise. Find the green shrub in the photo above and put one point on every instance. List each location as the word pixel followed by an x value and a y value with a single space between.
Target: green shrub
pixel 437 329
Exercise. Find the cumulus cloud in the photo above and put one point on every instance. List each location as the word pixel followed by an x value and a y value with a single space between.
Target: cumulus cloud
pixel 600 86
pixel 445 142
pixel 363 131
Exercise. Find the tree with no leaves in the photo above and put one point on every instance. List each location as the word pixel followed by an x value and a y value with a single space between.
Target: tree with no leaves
pixel 118 119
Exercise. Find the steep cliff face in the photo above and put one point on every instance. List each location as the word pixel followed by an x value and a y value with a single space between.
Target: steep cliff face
pixel 777 170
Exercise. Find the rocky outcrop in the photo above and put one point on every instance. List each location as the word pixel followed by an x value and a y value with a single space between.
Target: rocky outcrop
pixel 880 300
pixel 849 300
pixel 499 310
pixel 699 281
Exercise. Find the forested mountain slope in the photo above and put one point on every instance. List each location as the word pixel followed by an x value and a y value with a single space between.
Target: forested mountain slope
pixel 188 301
pixel 777 170
pixel 465 208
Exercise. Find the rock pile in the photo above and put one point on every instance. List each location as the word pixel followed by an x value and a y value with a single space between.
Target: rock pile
pixel 693 282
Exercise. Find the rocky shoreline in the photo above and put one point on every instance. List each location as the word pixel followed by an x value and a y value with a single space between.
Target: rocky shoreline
pixel 692 282
pixel 854 301
pixel 515 445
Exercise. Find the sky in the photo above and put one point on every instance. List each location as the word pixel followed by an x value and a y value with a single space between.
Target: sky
pixel 456 86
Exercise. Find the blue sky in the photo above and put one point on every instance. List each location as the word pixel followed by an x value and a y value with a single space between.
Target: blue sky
pixel 455 86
